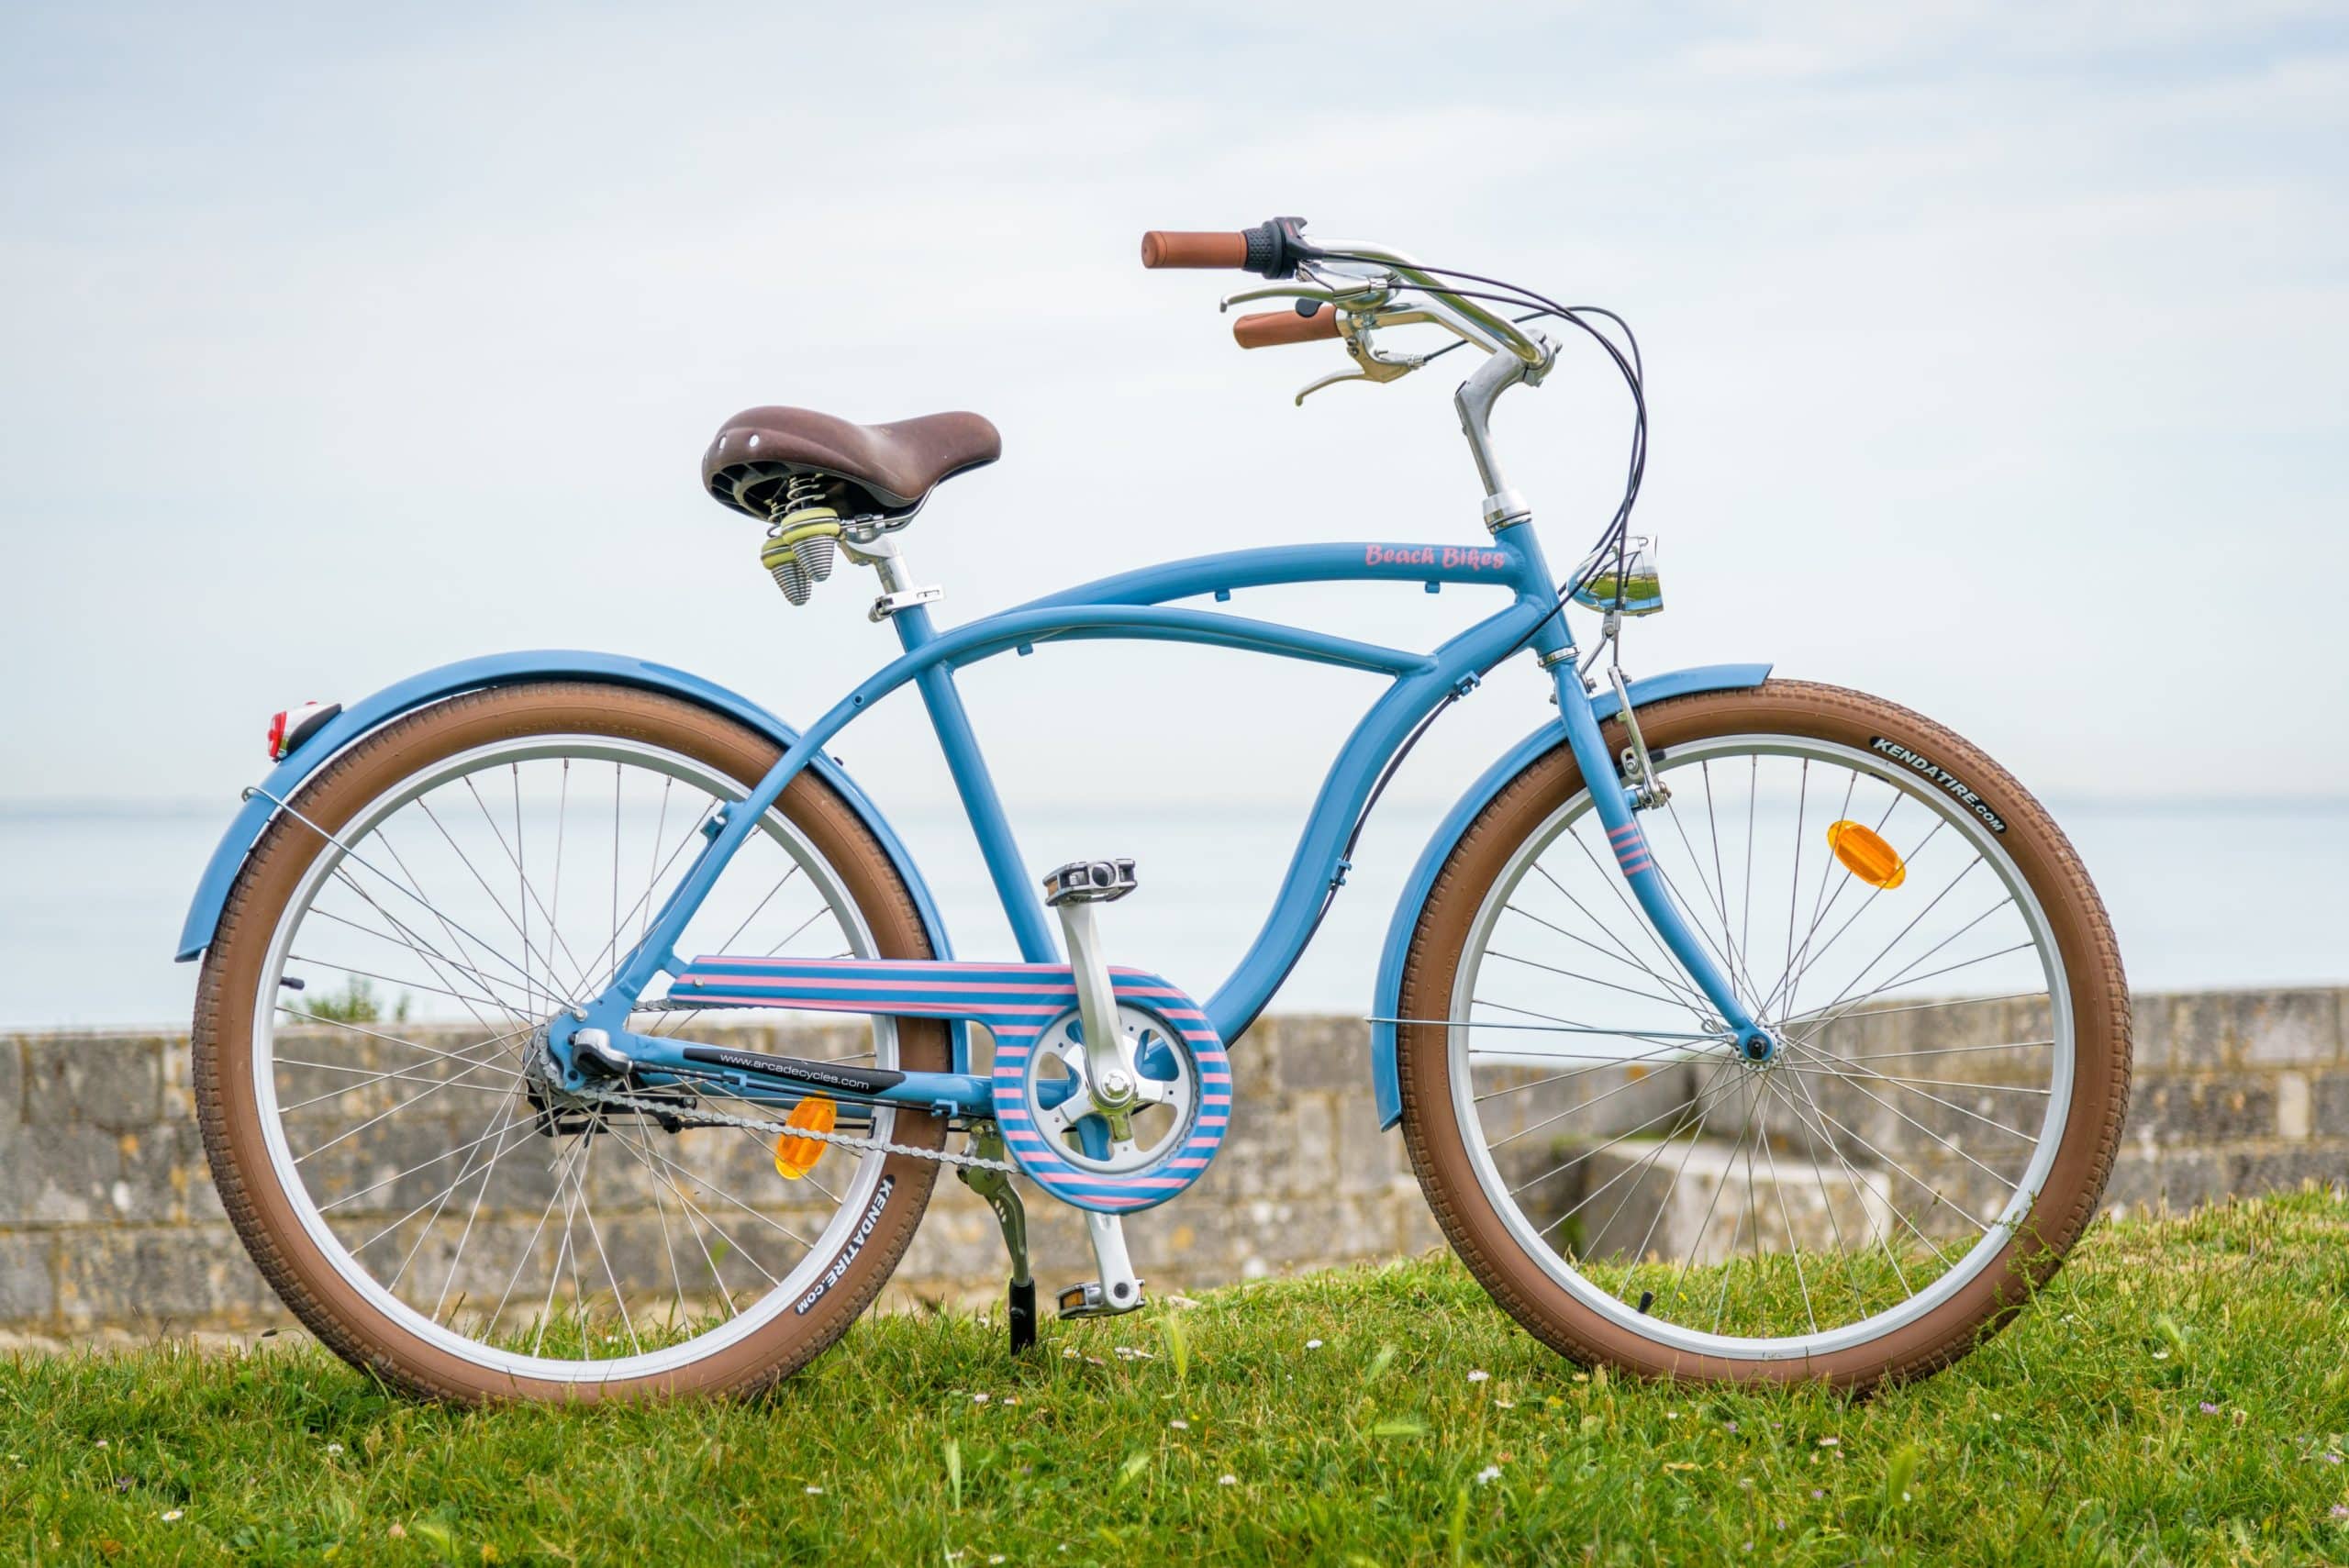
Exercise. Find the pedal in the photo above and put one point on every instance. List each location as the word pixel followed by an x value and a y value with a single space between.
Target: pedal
pixel 1089 882
pixel 1089 1300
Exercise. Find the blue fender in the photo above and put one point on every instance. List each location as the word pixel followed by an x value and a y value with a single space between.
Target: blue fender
pixel 1388 997
pixel 504 670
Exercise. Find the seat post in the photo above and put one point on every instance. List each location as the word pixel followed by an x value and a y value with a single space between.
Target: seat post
pixel 866 541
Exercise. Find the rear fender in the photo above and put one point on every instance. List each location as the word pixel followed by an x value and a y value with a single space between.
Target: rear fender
pixel 363 718
pixel 1388 995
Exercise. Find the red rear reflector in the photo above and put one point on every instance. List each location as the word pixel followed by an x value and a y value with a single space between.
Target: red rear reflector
pixel 288 730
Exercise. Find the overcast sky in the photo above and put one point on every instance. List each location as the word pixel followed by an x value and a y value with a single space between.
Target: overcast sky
pixel 1996 358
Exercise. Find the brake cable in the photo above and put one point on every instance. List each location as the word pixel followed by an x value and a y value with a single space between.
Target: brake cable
pixel 1632 370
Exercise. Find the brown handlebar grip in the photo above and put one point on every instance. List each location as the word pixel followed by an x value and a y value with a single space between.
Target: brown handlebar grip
pixel 1174 248
pixel 1272 327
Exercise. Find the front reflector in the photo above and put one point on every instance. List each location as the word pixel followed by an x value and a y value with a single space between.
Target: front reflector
pixel 794 1157
pixel 1866 854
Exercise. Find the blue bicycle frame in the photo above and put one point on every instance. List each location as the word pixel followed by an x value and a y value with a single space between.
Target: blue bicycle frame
pixel 1133 606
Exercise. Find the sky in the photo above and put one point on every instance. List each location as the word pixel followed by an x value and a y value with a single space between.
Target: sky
pixel 1996 360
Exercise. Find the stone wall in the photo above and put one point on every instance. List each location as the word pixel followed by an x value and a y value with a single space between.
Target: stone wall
pixel 109 1225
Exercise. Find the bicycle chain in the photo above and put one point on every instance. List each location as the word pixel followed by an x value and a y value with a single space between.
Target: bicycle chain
pixel 766 1125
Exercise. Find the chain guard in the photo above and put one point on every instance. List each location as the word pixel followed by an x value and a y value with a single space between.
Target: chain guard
pixel 1016 1003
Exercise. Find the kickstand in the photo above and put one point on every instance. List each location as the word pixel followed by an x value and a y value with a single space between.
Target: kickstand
pixel 986 1141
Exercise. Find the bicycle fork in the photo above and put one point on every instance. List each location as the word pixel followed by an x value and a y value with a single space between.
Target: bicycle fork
pixel 1621 793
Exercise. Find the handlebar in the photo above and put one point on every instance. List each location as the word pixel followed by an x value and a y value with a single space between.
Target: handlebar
pixel 1361 279
pixel 1272 327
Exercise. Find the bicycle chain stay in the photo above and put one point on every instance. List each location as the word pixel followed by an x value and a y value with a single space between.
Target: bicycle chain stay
pixel 699 1118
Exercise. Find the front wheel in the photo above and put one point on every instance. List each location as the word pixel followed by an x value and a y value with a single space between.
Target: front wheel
pixel 1928 1140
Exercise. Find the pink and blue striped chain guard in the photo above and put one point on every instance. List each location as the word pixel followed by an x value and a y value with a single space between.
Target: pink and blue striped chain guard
pixel 1016 1003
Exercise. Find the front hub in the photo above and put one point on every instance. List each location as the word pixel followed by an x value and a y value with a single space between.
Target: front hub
pixel 1757 1047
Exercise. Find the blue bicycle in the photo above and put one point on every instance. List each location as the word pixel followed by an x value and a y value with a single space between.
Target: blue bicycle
pixel 1738 1027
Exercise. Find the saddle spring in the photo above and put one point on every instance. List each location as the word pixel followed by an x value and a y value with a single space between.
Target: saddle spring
pixel 802 535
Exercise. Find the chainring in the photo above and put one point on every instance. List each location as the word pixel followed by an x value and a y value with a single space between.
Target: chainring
pixel 1060 1137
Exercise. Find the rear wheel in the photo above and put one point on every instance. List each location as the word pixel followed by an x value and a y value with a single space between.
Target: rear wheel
pixel 372 1096
pixel 1934 1133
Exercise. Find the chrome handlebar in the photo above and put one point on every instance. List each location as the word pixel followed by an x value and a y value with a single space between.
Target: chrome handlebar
pixel 1363 281
pixel 1364 288
pixel 1469 319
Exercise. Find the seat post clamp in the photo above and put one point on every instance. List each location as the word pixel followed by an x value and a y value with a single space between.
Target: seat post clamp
pixel 888 604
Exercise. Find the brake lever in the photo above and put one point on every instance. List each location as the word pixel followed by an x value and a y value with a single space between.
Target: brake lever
pixel 1370 364
pixel 1351 299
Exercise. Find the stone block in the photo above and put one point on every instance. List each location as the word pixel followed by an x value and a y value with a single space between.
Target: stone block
pixel 175 1278
pixel 1311 1052
pixel 164 1177
pixel 109 1081
pixel 2294 1106
pixel 2227 1029
pixel 2289 1028
pixel 1277 1143
pixel 178 1079
pixel 62 1175
pixel 27 1292
pixel 12 1079
pixel 2180 1178
pixel 1371 1160
pixel 2148 1183
pixel 2247 1172
pixel 1702 1200
pixel 2329 1095
pixel 2171 1111
pixel 2152 1032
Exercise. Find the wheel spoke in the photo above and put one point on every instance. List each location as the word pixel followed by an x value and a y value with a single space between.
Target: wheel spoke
pixel 1692 1115
pixel 1668 977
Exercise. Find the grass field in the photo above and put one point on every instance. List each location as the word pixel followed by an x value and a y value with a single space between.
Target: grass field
pixel 2180 1394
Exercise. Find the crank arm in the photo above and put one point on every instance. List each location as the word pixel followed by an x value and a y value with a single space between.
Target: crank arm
pixel 1117 1290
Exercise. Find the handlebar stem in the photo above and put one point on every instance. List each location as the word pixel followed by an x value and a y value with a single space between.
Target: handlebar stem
pixel 1474 400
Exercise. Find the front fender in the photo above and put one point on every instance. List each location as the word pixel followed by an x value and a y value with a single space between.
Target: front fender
pixel 1388 995
pixel 363 717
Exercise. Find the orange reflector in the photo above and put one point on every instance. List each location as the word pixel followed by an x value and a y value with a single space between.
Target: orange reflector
pixel 794 1157
pixel 1866 854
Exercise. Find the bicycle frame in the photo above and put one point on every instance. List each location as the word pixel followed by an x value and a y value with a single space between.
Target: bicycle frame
pixel 1133 606
pixel 1130 606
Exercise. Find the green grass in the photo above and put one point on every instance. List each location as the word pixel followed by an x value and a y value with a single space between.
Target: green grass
pixel 2180 1394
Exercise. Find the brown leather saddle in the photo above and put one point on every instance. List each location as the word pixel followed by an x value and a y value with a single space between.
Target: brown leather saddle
pixel 864 468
